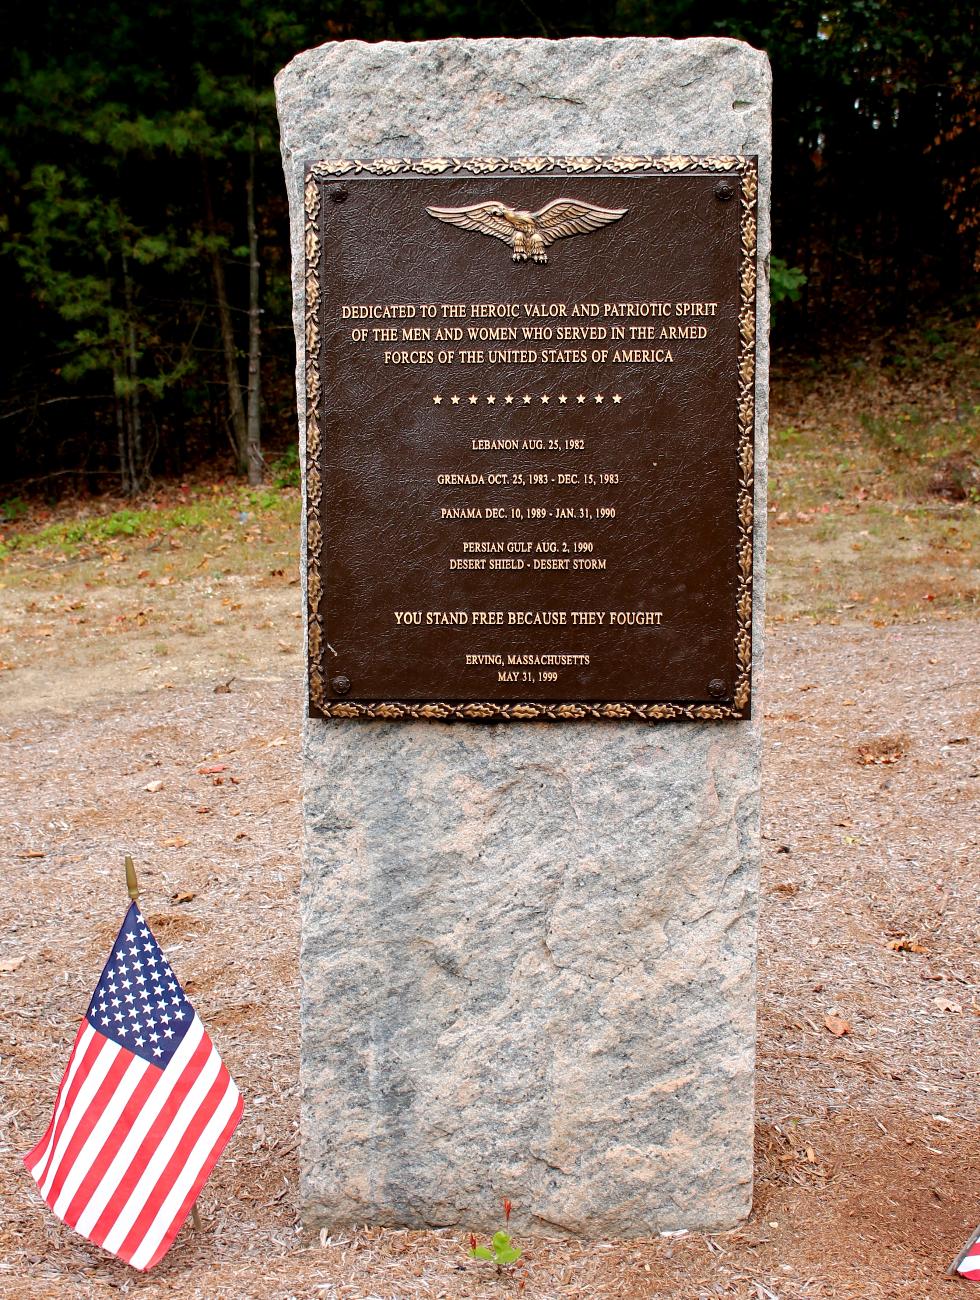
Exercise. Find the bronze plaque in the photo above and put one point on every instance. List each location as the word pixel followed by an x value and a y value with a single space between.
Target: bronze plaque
pixel 530 418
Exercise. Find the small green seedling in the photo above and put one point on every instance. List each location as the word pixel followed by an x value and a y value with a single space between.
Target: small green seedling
pixel 501 1252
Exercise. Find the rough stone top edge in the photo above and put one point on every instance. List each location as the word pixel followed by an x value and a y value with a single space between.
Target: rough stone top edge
pixel 653 49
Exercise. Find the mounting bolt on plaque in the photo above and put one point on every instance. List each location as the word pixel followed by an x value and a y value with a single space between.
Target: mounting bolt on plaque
pixel 724 191
pixel 716 688
pixel 340 685
pixel 338 196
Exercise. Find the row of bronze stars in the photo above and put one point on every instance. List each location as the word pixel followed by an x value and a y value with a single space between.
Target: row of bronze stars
pixel 526 400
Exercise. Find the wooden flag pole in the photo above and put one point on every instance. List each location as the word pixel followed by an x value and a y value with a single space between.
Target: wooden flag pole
pixel 133 889
pixel 974 1238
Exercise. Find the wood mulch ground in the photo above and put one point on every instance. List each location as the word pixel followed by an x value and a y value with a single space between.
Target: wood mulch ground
pixel 868 1175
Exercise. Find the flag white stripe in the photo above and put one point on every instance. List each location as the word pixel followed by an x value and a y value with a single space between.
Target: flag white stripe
pixel 100 1134
pixel 116 1172
pixel 970 1262
pixel 185 1181
pixel 163 1151
pixel 108 1051
pixel 81 1045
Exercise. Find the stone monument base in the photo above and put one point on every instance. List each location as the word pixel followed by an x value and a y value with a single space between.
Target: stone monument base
pixel 529 949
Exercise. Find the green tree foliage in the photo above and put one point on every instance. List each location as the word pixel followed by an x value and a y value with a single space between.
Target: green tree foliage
pixel 143 226
pixel 785 284
pixel 140 150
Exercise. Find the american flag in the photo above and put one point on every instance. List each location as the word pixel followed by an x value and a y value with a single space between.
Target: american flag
pixel 144 1110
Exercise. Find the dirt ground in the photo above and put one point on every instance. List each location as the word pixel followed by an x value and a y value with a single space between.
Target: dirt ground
pixel 868 1154
pixel 129 663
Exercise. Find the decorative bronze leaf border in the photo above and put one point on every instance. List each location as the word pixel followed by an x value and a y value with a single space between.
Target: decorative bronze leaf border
pixel 746 169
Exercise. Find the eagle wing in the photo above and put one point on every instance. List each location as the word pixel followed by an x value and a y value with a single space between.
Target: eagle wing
pixel 477 217
pixel 564 217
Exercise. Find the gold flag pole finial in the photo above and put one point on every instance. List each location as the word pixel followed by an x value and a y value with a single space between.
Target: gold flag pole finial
pixel 131 885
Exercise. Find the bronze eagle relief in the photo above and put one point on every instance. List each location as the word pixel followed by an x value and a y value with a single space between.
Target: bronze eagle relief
pixel 530 233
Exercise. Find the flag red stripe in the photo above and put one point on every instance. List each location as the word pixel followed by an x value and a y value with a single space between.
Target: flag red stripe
pixel 88 1121
pixel 77 1108
pixel 970 1266
pixel 178 1158
pixel 91 1054
pixel 168 1237
pixel 97 1169
pixel 181 1087
pixel 39 1148
pixel 141 1125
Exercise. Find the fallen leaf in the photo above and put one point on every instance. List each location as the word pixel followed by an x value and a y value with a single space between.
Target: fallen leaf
pixel 837 1026
pixel 211 768
pixel 946 1004
pixel 786 887
pixel 175 842
pixel 183 896
pixel 32 853
pixel 224 688
pixel 10 964
pixel 883 750
pixel 153 787
pixel 904 944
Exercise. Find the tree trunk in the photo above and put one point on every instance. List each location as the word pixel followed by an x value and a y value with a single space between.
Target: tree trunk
pixel 122 436
pixel 236 409
pixel 253 427
pixel 136 468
